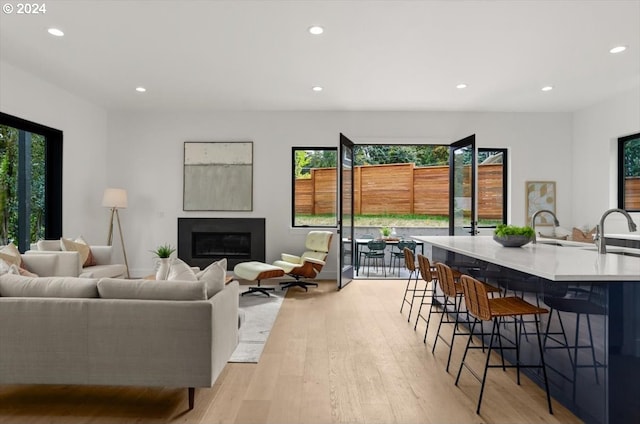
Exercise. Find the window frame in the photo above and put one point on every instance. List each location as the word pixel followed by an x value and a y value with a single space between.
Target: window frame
pixel 53 174
pixel 294 149
pixel 505 188
pixel 621 177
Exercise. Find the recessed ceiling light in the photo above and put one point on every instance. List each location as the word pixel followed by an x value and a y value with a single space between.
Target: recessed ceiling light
pixel 462 85
pixel 316 30
pixel 317 88
pixel 141 89
pixel 55 31
pixel 618 49
pixel 547 88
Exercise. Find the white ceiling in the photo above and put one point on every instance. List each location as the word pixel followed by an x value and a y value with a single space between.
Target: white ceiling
pixel 374 55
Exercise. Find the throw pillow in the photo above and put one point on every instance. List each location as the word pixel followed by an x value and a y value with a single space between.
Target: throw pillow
pixel 16 270
pixel 11 254
pixel 213 276
pixel 579 235
pixel 4 267
pixel 80 246
pixel 91 261
pixel 179 270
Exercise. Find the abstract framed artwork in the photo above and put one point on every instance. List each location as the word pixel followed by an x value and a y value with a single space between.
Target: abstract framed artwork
pixel 218 176
pixel 540 195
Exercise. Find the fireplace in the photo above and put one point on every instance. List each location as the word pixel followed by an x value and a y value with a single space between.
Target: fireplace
pixel 202 241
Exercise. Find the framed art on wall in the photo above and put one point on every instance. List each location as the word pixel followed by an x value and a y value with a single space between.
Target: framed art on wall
pixel 218 176
pixel 540 195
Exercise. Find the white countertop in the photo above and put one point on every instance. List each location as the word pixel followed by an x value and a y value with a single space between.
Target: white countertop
pixel 572 261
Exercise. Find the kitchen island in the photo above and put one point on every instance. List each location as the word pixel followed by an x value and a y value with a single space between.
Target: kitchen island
pixel 594 303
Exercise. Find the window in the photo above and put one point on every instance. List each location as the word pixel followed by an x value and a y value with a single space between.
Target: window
pixel 629 173
pixel 30 181
pixel 492 187
pixel 314 186
pixel 396 185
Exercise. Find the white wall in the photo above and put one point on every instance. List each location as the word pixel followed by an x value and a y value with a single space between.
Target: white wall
pixel 84 127
pixel 145 153
pixel 596 131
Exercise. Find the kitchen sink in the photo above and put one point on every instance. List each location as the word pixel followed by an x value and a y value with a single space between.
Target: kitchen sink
pixel 615 252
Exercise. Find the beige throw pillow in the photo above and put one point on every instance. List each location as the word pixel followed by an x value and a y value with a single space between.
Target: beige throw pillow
pixel 213 276
pixel 80 246
pixel 16 270
pixel 11 255
pixel 179 270
pixel 4 267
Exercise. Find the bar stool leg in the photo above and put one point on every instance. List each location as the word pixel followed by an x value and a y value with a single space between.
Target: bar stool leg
pixel 415 288
pixel 486 364
pixel 544 366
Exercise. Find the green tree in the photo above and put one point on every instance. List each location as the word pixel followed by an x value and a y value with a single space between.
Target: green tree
pixel 302 160
pixel 323 159
pixel 9 185
pixel 632 158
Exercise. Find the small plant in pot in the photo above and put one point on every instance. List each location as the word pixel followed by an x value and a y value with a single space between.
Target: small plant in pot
pixel 163 251
pixel 385 232
pixel 512 235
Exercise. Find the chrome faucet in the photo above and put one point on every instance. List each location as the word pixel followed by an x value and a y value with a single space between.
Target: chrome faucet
pixel 599 239
pixel 533 222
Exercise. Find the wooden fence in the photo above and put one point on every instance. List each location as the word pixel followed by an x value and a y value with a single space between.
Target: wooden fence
pixel 632 193
pixel 398 189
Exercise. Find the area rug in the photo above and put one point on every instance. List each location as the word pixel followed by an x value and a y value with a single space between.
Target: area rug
pixel 260 313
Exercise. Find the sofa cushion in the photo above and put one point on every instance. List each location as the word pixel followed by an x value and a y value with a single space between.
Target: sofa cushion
pixel 20 286
pixel 179 270
pixel 213 276
pixel 104 271
pixel 116 288
pixel 11 254
pixel 49 245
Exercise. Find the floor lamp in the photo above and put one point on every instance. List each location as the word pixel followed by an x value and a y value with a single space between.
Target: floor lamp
pixel 116 198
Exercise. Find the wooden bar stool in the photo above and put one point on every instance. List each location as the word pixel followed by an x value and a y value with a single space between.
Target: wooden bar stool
pixel 483 308
pixel 410 263
pixel 452 298
pixel 430 276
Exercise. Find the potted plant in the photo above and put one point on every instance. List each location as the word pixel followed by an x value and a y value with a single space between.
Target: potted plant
pixel 385 232
pixel 163 252
pixel 512 235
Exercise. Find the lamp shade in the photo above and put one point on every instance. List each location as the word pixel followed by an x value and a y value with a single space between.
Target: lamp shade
pixel 115 198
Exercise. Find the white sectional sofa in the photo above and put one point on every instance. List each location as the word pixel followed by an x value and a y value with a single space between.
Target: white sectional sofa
pixel 63 330
pixel 69 264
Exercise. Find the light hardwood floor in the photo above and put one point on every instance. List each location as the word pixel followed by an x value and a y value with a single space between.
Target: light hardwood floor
pixel 332 357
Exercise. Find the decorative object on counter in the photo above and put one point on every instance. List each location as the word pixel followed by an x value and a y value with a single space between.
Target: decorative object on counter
pixel 385 232
pixel 586 237
pixel 513 236
pixel 540 195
